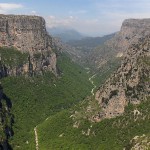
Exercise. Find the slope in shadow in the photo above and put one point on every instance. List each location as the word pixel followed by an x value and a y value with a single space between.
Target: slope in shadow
pixel 4 115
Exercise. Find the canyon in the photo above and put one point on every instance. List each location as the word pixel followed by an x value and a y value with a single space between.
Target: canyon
pixel 53 99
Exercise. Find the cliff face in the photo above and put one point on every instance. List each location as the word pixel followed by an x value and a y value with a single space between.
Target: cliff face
pixel 130 84
pixel 28 35
pixel 131 31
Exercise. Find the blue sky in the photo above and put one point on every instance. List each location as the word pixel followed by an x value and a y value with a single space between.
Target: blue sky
pixel 92 17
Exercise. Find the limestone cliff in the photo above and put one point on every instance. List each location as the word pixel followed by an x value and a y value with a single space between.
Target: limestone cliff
pixel 130 84
pixel 28 35
pixel 131 31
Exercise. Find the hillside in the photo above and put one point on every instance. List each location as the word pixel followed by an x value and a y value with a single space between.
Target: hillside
pixel 45 96
pixel 65 34
pixel 80 50
pixel 90 42
pixel 130 84
pixel 6 120
pixel 93 94
pixel 131 31
pixel 37 83
pixel 124 97
pixel 61 132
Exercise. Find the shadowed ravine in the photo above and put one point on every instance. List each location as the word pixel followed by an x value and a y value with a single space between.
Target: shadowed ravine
pixel 5 115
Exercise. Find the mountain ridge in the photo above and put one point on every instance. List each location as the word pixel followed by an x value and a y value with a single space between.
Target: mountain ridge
pixel 65 34
pixel 131 30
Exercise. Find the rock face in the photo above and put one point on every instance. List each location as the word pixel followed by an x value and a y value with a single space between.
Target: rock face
pixel 140 143
pixel 28 35
pixel 130 84
pixel 131 31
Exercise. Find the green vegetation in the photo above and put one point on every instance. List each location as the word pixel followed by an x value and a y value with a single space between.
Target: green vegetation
pixel 4 113
pixel 105 71
pixel 110 134
pixel 12 57
pixel 34 99
pixel 51 103
pixel 90 42
pixel 146 60
pixel 37 56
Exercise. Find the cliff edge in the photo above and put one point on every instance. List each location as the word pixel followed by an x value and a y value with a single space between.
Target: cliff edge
pixel 28 35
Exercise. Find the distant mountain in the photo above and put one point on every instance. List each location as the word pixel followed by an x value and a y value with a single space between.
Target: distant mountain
pixel 83 48
pixel 91 41
pixel 121 104
pixel 65 34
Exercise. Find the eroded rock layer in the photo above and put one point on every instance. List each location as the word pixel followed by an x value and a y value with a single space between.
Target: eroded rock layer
pixel 130 84
pixel 28 35
pixel 131 31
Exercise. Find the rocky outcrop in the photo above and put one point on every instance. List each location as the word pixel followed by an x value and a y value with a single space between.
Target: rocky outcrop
pixel 139 143
pixel 28 35
pixel 130 84
pixel 131 31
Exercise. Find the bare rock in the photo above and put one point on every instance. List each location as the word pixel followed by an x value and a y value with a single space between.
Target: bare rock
pixel 28 35
pixel 130 84
pixel 131 31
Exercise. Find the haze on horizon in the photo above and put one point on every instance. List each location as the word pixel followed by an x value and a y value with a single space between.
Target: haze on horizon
pixel 90 17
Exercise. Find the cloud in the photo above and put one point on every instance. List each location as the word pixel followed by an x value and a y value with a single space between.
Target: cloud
pixel 89 26
pixel 123 5
pixel 79 12
pixel 107 16
pixel 113 12
pixel 7 7
pixel 33 12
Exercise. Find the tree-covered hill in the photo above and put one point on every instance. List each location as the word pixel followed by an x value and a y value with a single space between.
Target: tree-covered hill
pixel 36 98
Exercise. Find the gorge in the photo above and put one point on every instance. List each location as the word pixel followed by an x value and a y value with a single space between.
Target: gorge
pixel 55 102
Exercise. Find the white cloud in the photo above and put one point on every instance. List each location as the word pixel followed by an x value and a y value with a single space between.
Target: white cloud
pixel 113 14
pixel 7 7
pixel 33 12
pixel 107 23
pixel 89 26
pixel 107 17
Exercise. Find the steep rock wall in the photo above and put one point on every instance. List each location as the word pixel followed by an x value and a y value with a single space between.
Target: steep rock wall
pixel 131 31
pixel 28 35
pixel 130 84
